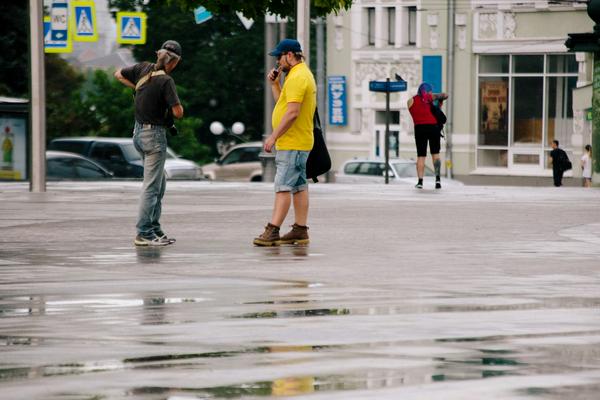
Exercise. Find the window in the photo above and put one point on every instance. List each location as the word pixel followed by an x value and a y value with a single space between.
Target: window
pixel 351 168
pixel 525 102
pixel 60 168
pixel 412 25
pixel 106 152
pixel 78 147
pixel 131 154
pixel 371 25
pixel 232 157
pixel 391 14
pixel 87 170
pixel 250 154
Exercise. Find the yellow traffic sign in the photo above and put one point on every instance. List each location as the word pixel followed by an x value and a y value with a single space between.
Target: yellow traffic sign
pixel 131 27
pixel 83 21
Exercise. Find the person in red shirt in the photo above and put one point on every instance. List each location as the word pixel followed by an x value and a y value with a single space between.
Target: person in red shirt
pixel 426 130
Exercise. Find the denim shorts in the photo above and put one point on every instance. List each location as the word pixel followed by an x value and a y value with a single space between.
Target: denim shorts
pixel 291 171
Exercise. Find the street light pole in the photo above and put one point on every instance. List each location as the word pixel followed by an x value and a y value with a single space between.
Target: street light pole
pixel 303 28
pixel 38 97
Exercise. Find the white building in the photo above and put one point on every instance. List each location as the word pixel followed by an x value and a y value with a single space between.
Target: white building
pixel 514 87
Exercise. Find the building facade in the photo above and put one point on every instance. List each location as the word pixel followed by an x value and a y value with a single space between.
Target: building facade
pixel 513 85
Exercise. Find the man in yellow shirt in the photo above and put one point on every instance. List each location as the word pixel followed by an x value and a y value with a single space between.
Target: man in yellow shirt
pixel 293 138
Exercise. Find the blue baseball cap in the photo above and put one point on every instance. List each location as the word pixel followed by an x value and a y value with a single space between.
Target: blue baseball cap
pixel 285 46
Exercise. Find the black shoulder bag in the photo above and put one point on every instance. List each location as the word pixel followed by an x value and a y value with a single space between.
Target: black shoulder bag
pixel 319 161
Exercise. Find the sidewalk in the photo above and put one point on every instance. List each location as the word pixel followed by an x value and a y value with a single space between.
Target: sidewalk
pixel 401 294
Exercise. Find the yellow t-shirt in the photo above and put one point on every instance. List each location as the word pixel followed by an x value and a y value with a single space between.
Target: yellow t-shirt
pixel 299 87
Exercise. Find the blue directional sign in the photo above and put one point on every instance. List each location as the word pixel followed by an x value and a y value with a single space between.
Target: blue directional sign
pixel 59 20
pixel 55 46
pixel 201 14
pixel 385 86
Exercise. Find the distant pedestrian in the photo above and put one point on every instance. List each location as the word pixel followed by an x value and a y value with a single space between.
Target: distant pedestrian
pixel 156 103
pixel 586 166
pixel 559 160
pixel 292 136
pixel 426 130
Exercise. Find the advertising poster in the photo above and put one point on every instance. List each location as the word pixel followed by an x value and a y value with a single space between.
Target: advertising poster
pixel 13 148
pixel 494 114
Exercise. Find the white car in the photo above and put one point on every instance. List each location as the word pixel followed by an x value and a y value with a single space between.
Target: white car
pixel 241 163
pixel 373 171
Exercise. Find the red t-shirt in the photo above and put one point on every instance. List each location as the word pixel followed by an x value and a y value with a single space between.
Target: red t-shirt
pixel 420 111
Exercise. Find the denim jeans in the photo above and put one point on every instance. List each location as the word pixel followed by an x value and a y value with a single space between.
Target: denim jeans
pixel 151 143
pixel 291 171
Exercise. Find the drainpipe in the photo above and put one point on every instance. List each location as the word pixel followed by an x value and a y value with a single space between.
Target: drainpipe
pixel 450 88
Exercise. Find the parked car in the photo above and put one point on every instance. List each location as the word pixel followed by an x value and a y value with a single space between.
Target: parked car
pixel 119 156
pixel 70 166
pixel 240 163
pixel 373 171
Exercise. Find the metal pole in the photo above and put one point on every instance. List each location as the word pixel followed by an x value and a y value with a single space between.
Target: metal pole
pixel 450 86
pixel 387 131
pixel 303 27
pixel 596 121
pixel 321 71
pixel 38 97
pixel 268 159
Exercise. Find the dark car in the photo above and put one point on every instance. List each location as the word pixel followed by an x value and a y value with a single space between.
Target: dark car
pixel 69 166
pixel 119 156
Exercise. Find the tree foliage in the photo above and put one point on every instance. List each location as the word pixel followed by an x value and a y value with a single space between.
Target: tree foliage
pixel 255 9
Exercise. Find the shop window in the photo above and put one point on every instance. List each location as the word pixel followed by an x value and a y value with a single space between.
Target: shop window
pixel 493 64
pixel 560 109
pixel 492 158
pixel 528 64
pixel 522 108
pixel 493 101
pixel 562 64
pixel 528 108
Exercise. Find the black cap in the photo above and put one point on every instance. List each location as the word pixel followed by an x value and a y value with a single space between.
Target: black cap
pixel 172 46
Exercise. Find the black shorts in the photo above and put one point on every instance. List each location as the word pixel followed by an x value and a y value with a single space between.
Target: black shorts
pixel 424 134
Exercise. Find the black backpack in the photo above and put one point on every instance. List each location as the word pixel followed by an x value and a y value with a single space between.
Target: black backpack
pixel 565 162
pixel 440 117
pixel 319 161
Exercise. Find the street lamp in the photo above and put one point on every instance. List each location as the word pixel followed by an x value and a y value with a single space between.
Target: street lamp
pixel 229 136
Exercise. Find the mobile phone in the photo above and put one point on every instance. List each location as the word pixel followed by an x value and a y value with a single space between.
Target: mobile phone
pixel 276 71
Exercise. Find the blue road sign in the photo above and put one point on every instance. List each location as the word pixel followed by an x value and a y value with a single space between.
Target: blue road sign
pixel 384 86
pixel 84 15
pixel 131 28
pixel 337 100
pixel 55 46
pixel 201 14
pixel 59 20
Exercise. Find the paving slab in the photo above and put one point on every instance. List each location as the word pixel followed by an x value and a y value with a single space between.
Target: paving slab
pixel 462 293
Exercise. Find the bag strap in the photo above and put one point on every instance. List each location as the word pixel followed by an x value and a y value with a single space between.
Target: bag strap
pixel 145 78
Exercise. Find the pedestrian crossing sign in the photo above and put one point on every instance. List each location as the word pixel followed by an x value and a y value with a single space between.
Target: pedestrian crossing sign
pixel 131 27
pixel 52 45
pixel 84 21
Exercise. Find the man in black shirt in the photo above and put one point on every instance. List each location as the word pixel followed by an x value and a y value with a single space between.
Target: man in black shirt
pixel 558 157
pixel 156 103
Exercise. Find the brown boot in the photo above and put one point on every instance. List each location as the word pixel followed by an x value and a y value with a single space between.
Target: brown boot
pixel 270 237
pixel 298 235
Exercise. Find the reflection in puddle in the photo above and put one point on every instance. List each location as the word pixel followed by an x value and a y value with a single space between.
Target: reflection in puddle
pixel 297 313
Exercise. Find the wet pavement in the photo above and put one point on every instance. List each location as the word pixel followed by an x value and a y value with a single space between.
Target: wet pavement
pixel 464 293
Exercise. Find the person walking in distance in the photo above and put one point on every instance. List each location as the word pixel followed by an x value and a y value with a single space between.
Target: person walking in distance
pixel 558 157
pixel 586 166
pixel 426 130
pixel 156 103
pixel 292 136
